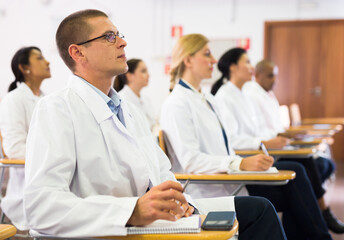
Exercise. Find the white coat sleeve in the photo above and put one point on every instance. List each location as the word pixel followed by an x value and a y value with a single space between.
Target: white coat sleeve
pixel 265 133
pixel 177 122
pixel 50 207
pixel 231 124
pixel 14 127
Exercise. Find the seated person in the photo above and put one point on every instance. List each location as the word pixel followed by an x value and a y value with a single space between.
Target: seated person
pixel 30 68
pixel 92 164
pixel 241 120
pixel 201 145
pixel 129 86
pixel 267 108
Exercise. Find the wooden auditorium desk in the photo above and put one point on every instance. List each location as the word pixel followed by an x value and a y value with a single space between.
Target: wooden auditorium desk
pixel 280 178
pixel 315 127
pixel 299 152
pixel 239 179
pixel 206 235
pixel 336 120
pixel 7 231
pixel 203 235
pixel 6 163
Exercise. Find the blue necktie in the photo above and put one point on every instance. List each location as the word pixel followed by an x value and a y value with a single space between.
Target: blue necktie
pixel 182 83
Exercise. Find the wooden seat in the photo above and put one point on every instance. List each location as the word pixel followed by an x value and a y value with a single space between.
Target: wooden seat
pixel 166 146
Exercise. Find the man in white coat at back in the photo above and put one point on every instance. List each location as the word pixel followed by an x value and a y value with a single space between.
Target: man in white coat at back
pixel 267 106
pixel 92 166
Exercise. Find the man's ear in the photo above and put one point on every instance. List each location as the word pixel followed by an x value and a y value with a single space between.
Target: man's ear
pixel 76 53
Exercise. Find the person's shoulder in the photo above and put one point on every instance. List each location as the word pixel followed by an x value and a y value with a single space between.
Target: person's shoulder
pixel 249 85
pixel 15 97
pixel 178 98
pixel 249 89
pixel 59 97
pixel 224 91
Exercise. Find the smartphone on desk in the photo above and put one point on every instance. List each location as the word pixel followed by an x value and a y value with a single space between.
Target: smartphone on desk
pixel 223 220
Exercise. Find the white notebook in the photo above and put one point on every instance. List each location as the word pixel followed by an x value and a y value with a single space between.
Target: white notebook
pixel 190 224
pixel 270 170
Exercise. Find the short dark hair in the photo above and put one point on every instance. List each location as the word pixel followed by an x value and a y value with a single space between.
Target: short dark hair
pixel 261 66
pixel 74 29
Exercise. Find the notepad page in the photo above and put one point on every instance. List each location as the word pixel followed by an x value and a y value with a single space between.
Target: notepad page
pixel 270 170
pixel 190 224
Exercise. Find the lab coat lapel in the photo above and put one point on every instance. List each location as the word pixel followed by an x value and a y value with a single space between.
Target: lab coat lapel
pixel 129 127
pixel 25 89
pixel 196 99
pixel 127 152
pixel 91 98
pixel 96 104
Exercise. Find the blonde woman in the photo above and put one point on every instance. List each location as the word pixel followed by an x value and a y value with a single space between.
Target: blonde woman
pixel 189 118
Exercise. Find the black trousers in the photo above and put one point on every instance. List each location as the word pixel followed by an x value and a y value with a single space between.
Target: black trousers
pixel 318 170
pixel 257 219
pixel 325 166
pixel 302 218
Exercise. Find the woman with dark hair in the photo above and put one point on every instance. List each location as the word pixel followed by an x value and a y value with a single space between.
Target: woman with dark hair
pixel 241 121
pixel 130 84
pixel 223 64
pixel 30 68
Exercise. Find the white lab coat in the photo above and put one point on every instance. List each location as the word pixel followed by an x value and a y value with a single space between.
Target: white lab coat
pixel 267 106
pixel 141 103
pixel 268 114
pixel 16 111
pixel 196 137
pixel 239 118
pixel 85 170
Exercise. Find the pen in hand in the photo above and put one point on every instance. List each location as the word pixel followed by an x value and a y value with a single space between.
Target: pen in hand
pixel 186 184
pixel 265 151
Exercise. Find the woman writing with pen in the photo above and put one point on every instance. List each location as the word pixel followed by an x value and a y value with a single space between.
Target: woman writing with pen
pixel 189 118
pixel 242 122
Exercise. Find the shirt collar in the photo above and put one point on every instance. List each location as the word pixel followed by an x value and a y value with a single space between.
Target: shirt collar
pixel 188 85
pixel 24 87
pixel 200 94
pixel 113 100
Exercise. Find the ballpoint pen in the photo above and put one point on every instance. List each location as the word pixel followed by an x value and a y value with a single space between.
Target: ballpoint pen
pixel 262 146
pixel 186 184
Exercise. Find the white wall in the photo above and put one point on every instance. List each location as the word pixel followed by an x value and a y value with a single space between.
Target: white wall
pixel 146 25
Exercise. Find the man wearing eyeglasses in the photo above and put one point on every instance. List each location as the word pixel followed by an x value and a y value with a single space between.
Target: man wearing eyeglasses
pixel 92 165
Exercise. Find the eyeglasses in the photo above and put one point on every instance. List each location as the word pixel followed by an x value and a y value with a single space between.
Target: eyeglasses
pixel 110 37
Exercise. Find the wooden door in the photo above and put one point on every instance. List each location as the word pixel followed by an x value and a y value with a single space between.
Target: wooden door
pixel 310 57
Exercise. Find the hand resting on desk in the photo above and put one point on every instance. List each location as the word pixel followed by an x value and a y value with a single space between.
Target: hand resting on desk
pixel 164 201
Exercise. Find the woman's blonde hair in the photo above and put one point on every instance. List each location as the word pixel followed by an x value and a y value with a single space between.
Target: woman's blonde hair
pixel 186 46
